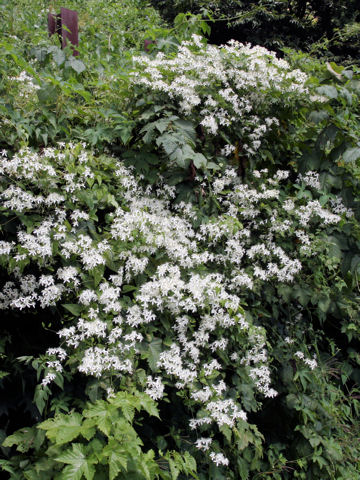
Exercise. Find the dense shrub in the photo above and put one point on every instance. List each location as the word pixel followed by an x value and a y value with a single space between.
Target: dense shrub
pixel 179 255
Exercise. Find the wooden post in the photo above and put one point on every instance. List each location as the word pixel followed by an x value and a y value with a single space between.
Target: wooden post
pixel 65 25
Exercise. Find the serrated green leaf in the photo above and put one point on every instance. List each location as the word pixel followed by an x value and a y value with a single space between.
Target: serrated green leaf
pixel 102 413
pixel 62 428
pixel 117 458
pixel 174 470
pixel 190 463
pixel 149 405
pixel 24 439
pixel 58 56
pixel 78 463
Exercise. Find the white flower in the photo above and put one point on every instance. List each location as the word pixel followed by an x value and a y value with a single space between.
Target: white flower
pixel 203 443
pixel 219 459
pixel 155 388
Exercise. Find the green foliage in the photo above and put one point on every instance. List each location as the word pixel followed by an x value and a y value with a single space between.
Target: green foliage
pixel 59 95
pixel 309 326
pixel 100 442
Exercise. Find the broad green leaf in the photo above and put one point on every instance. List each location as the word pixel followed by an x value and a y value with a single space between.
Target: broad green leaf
pixel 24 439
pixel 78 463
pixel 351 155
pixel 58 56
pixel 117 458
pixel 199 160
pixel 328 91
pixel 76 64
pixel 63 428
pixel 149 405
pixel 101 411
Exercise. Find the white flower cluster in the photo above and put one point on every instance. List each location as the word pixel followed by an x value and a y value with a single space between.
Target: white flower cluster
pixel 311 179
pixel 310 362
pixel 242 80
pixel 26 84
pixel 173 271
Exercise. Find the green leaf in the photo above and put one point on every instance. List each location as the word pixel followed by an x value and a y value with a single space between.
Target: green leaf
pixel 97 274
pixel 73 308
pixel 101 412
pixel 335 70
pixel 154 350
pixel 199 160
pixel 76 64
pixel 25 439
pixel 174 470
pixel 41 396
pixel 149 405
pixel 351 155
pixel 318 116
pixel 78 463
pixel 62 428
pixel 58 56
pixel 190 463
pixel 47 94
pixel 324 303
pixel 328 91
pixel 128 288
pixel 117 458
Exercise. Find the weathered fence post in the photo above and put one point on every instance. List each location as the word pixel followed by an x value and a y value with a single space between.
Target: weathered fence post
pixel 65 24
